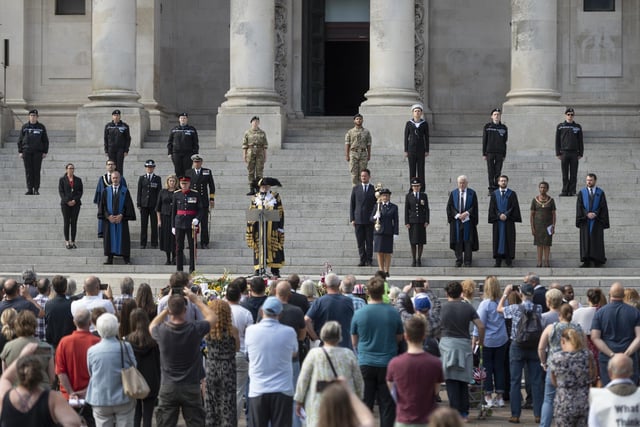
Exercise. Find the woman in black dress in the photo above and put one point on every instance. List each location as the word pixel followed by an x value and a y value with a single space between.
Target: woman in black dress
pixel 70 189
pixel 163 210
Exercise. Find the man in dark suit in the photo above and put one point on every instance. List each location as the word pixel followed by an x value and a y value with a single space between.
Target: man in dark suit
pixel 149 186
pixel 363 200
pixel 202 183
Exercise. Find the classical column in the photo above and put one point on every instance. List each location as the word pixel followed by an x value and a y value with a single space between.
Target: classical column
pixel 533 101
pixel 534 33
pixel 252 66
pixel 113 76
pixel 391 71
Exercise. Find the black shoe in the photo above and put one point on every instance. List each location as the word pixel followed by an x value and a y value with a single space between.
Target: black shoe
pixel 256 273
pixel 467 264
pixel 251 192
pixel 413 264
pixel 167 262
pixel 109 261
pixel 68 245
pixel 29 193
pixel 563 194
pixel 419 263
pixel 36 192
pixel 204 246
pixel 127 261
pixel 598 264
pixel 498 263
pixel 154 245
pixel 100 235
pixel 143 246
pixel 458 263
pixel 509 263
pixel 361 264
pixel 573 193
pixel 387 274
pixel 369 263
pixel 73 245
pixel 585 264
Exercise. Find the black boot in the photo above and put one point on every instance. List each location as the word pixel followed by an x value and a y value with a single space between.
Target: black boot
pixel 168 261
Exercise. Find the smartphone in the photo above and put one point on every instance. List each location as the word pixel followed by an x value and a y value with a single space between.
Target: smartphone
pixel 515 288
pixel 177 291
pixel 417 283
pixel 104 286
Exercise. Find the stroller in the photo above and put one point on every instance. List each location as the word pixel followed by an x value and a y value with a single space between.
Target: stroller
pixel 476 390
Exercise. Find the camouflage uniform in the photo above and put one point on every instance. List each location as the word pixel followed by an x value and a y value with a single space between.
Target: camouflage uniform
pixel 255 142
pixel 359 141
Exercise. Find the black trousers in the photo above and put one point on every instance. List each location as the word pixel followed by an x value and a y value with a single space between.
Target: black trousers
pixel 204 229
pixel 180 235
pixel 569 165
pixel 375 385
pixel 364 237
pixel 494 169
pixel 273 409
pixel 144 411
pixel 70 219
pixel 463 249
pixel 32 165
pixel 117 155
pixel 145 214
pixel 181 163
pixel 458 394
pixel 416 165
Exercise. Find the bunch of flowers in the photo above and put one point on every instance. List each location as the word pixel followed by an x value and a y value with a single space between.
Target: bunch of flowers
pixel 212 288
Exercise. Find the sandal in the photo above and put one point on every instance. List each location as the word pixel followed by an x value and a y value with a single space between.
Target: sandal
pixel 68 245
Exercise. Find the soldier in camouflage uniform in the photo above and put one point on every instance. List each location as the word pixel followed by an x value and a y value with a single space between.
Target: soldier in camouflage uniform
pixel 254 152
pixel 357 148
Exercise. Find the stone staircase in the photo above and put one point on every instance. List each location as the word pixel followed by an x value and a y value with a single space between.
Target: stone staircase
pixel 315 193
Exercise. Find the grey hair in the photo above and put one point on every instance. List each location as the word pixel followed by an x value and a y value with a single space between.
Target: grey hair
pixel 308 288
pixel 126 286
pixel 71 286
pixel 332 281
pixel 331 332
pixel 107 325
pixel 347 284
pixel 82 318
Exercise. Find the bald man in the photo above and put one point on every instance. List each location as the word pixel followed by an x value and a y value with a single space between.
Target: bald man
pixel 616 329
pixel 617 403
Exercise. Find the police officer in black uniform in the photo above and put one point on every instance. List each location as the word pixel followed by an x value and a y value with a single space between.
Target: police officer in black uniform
pixel 202 183
pixel 117 140
pixel 416 219
pixel 183 143
pixel 494 147
pixel 33 146
pixel 569 149
pixel 187 212
pixel 149 186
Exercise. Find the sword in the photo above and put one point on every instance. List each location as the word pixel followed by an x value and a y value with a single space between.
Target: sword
pixel 194 236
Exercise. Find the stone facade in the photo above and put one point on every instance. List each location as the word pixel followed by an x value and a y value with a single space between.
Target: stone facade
pixel 226 60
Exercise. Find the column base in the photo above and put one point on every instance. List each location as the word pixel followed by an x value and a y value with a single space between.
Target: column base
pixel 386 124
pixel 6 123
pixel 395 97
pixel 533 126
pixel 91 120
pixel 533 97
pixel 233 121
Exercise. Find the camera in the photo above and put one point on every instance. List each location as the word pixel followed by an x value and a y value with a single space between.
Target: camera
pixel 515 288
pixel 104 286
pixel 177 291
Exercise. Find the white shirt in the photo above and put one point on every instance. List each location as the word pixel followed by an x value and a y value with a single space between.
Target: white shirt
pixel 241 319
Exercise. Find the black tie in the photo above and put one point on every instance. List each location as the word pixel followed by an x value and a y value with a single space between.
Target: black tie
pixel 590 198
pixel 417 197
pixel 115 200
pixel 461 206
pixel 502 192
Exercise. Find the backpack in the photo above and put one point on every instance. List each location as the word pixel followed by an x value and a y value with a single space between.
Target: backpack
pixel 529 328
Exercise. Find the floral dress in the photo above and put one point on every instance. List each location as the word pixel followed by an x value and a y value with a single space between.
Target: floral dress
pixel 571 404
pixel 220 399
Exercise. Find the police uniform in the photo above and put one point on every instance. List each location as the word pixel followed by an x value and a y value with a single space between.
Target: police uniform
pixel 570 146
pixel 255 142
pixel 358 141
pixel 416 217
pixel 187 206
pixel 202 182
pixel 33 145
pixel 183 143
pixel 494 148
pixel 117 140
pixel 149 186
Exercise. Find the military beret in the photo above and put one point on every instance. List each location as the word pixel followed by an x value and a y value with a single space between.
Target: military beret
pixel 254 118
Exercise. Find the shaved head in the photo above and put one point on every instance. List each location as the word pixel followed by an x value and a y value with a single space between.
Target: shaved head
pixel 616 291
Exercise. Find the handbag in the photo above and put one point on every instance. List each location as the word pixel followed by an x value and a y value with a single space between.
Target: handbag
pixel 321 385
pixel 133 383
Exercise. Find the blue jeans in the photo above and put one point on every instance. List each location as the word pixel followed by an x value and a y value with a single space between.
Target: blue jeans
pixel 547 405
pixel 493 362
pixel 296 421
pixel 519 358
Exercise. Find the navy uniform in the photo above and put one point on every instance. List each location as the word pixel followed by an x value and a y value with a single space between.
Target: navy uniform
pixel 117 140
pixel 33 146
pixel 416 144
pixel 187 212
pixel 202 183
pixel 149 186
pixel 416 219
pixel 183 143
pixel 569 149
pixel 494 148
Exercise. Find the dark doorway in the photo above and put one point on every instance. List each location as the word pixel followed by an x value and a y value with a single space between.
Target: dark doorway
pixel 346 76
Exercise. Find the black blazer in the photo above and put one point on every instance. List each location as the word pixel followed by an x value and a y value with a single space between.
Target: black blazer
pixel 362 204
pixel 67 193
pixel 416 211
pixel 148 190
pixel 388 219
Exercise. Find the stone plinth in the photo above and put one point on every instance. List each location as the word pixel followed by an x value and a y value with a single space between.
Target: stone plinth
pixel 532 127
pixel 386 124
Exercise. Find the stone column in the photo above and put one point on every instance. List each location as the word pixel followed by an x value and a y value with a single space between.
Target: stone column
pixel 533 101
pixel 113 77
pixel 392 70
pixel 252 64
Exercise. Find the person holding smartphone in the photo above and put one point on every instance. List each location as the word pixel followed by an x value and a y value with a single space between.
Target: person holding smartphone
pixel 94 297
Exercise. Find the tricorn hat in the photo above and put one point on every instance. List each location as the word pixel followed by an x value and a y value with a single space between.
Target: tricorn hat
pixel 272 182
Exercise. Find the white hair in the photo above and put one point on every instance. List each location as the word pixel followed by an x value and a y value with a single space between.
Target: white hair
pixel 107 325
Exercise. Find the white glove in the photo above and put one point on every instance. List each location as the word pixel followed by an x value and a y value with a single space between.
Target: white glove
pixel 195 222
pixel 376 216
pixel 395 237
pixel 173 231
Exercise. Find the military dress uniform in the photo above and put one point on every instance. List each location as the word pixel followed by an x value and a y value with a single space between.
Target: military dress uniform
pixel 416 217
pixel 183 143
pixel 149 186
pixel 33 145
pixel 359 142
pixel 202 183
pixel 117 140
pixel 255 142
pixel 187 206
